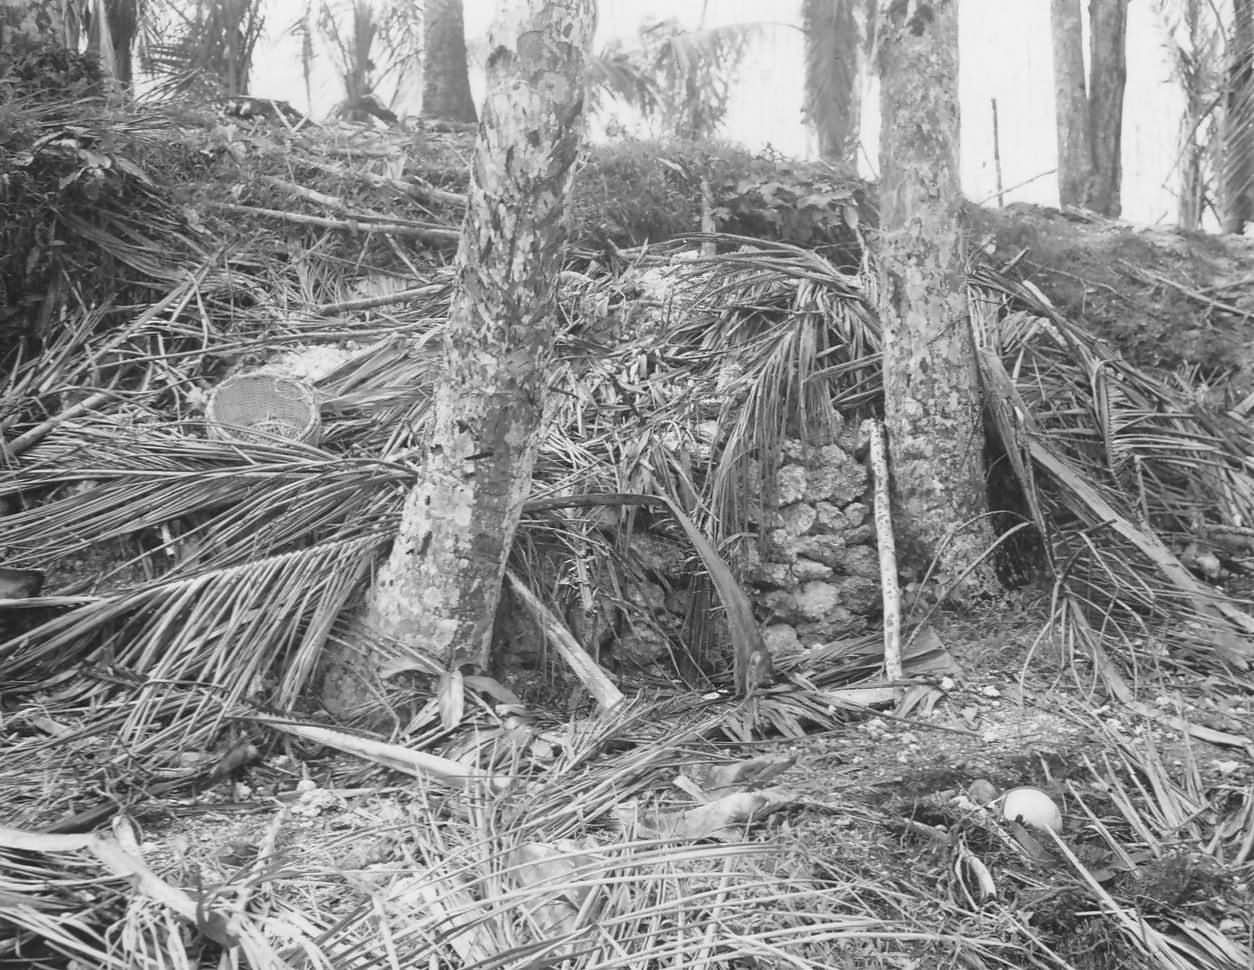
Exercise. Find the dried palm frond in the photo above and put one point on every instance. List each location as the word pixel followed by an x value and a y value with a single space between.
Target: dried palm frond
pixel 1117 467
pixel 559 873
pixel 794 350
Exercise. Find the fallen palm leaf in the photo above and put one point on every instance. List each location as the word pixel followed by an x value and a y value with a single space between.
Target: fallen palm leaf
pixel 394 756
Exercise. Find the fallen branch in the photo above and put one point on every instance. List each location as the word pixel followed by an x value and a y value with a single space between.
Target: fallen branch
pixel 35 434
pixel 385 299
pixel 725 819
pixel 394 756
pixel 408 229
pixel 589 672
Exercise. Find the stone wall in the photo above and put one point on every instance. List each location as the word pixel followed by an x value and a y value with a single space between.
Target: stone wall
pixel 814 575
pixel 812 572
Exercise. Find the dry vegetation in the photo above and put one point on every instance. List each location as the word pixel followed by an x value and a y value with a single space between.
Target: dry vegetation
pixel 158 694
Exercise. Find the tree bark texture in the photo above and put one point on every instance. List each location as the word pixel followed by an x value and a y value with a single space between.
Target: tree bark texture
pixel 932 397
pixel 445 78
pixel 833 76
pixel 1108 42
pixel 439 588
pixel 1071 104
pixel 1236 191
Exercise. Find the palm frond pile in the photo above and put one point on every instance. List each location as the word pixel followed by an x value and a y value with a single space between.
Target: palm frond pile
pixel 1122 473
pixel 194 583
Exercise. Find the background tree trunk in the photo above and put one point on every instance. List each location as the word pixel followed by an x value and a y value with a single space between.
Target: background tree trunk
pixel 1090 126
pixel 439 588
pixel 1192 151
pixel 445 77
pixel 833 77
pixel 932 397
pixel 1071 103
pixel 123 25
pixel 1237 155
pixel 1108 66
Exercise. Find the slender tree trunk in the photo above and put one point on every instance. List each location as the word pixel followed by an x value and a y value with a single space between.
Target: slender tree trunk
pixel 1192 184
pixel 1108 66
pixel 1237 157
pixel 833 77
pixel 1089 118
pixel 931 389
pixel 1071 103
pixel 445 76
pixel 123 24
pixel 437 593
pixel 113 40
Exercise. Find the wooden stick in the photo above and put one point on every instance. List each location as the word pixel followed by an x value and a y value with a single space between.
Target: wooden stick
pixel 414 230
pixel 1001 192
pixel 887 545
pixel 585 668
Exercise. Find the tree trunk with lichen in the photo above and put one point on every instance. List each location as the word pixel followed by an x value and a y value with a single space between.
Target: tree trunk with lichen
pixel 931 384
pixel 445 78
pixel 438 590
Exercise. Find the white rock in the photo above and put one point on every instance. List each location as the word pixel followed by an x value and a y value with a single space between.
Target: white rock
pixel 1033 807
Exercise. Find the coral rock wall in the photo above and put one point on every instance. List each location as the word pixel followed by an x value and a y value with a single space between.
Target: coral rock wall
pixel 814 575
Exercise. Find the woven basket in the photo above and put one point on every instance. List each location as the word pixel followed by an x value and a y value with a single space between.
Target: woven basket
pixel 261 407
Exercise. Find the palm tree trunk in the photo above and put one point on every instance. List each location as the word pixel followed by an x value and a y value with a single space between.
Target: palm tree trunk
pixel 123 24
pixel 833 77
pixel 1108 74
pixel 445 77
pixel 1071 103
pixel 1192 180
pixel 931 389
pixel 438 590
pixel 1237 157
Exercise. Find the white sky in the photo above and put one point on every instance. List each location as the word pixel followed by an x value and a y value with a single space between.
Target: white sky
pixel 1004 54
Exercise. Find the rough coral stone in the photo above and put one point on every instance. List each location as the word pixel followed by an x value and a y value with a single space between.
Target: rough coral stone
pixel 860 535
pixel 777 545
pixel 828 549
pixel 771 575
pixel 816 599
pixel 807 569
pixel 855 513
pixel 780 638
pixel 828 519
pixel 840 622
pixel 834 476
pixel 790 484
pixel 797 519
pixel 859 594
pixel 862 561
pixel 780 605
